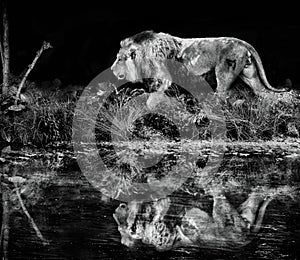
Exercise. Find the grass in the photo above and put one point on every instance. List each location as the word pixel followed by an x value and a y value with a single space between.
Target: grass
pixel 48 118
pixel 273 116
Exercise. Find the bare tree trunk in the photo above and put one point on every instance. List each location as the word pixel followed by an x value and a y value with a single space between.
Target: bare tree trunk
pixel 5 221
pixel 5 49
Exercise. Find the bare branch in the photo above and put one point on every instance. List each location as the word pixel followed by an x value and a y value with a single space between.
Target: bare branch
pixel 36 229
pixel 45 46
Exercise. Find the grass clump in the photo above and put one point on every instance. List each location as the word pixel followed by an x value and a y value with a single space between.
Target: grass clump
pixel 264 118
pixel 46 118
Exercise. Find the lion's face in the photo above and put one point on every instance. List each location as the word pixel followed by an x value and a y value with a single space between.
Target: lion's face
pixel 125 216
pixel 125 66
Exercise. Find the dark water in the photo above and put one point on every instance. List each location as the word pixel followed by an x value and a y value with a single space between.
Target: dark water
pixel 78 220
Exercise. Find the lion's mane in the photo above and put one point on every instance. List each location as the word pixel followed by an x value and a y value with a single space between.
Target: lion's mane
pixel 153 52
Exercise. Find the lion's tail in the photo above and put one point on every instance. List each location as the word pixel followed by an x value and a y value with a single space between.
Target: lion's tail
pixel 261 70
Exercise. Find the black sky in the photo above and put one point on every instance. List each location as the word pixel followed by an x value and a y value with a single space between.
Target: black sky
pixel 86 35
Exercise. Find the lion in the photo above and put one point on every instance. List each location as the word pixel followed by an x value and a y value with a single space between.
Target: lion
pixel 150 55
pixel 226 227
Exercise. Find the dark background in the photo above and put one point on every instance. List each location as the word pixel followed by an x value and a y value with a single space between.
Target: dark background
pixel 85 36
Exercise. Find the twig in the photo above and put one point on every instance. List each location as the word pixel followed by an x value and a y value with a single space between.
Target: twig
pixel 36 229
pixel 4 236
pixel 45 46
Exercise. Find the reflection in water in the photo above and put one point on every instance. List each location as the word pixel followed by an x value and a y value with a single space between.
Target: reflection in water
pixel 220 210
pixel 238 194
pixel 225 227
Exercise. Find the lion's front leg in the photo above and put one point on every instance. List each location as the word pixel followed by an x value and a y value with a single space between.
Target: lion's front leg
pixel 159 96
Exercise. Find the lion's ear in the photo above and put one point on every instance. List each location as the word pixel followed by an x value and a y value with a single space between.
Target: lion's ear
pixel 125 42
pixel 122 43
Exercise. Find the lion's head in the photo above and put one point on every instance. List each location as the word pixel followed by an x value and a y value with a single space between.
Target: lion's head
pixel 125 66
pixel 125 216
pixel 144 56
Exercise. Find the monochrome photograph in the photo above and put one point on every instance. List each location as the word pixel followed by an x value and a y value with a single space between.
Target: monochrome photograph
pixel 149 131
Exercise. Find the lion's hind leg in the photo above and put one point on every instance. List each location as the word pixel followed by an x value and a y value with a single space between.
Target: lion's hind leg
pixel 254 208
pixel 250 76
pixel 226 216
pixel 226 73
pixel 231 227
pixel 249 208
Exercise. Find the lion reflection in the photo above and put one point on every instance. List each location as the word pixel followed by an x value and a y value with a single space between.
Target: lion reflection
pixel 159 224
